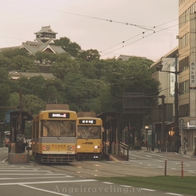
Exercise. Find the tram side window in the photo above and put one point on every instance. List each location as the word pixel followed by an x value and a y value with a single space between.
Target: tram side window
pixel 44 128
pixel 37 129
pixel 44 132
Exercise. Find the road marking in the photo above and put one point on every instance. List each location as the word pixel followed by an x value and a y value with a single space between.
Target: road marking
pixel 174 194
pixel 24 171
pixel 126 186
pixel 38 177
pixel 4 160
pixel 108 183
pixel 43 190
pixel 148 156
pixel 47 182
pixel 144 189
pixel 25 174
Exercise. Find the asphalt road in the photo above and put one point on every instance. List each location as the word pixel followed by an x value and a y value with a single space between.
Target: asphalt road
pixel 79 178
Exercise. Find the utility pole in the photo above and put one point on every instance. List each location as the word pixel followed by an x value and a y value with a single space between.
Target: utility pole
pixel 177 136
pixel 176 101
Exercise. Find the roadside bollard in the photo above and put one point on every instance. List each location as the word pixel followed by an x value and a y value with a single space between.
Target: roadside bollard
pixel 165 172
pixel 182 169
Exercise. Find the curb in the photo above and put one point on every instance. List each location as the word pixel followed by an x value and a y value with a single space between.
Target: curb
pixel 112 158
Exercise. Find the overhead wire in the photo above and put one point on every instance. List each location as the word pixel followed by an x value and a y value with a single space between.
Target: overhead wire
pixel 136 40
pixel 148 28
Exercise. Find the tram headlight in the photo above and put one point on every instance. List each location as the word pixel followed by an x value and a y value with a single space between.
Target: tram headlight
pixel 78 146
pixel 96 147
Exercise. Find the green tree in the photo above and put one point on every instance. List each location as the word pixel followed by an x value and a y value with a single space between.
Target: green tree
pixel 23 64
pixel 4 76
pixel 89 55
pixel 4 99
pixel 33 104
pixel 5 62
pixel 11 53
pixel 65 65
pixel 71 48
pixel 45 57
pixel 14 99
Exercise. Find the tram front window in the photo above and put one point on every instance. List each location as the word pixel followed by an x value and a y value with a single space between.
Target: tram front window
pixel 58 128
pixel 87 132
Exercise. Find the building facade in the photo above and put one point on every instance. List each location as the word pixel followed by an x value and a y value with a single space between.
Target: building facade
pixel 187 66
pixel 163 118
pixel 184 57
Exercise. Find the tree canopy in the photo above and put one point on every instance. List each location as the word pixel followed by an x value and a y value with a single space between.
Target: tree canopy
pixel 83 80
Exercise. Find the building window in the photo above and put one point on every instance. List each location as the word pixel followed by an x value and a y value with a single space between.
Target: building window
pixel 185 17
pixel 184 41
pixel 184 64
pixel 184 87
pixel 183 110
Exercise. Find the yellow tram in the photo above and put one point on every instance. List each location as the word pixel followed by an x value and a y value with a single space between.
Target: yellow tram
pixel 89 137
pixel 54 136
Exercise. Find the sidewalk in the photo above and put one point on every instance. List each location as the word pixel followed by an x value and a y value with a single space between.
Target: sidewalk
pixel 189 153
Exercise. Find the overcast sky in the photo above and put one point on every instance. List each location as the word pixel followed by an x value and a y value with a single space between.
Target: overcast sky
pixel 148 28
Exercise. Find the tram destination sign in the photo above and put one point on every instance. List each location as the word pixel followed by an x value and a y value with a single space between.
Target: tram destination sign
pixel 87 121
pixel 59 115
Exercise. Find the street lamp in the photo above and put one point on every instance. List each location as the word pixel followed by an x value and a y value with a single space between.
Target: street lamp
pixel 146 128
pixel 176 102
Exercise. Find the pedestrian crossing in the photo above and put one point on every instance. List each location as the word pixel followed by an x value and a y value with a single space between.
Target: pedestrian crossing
pixel 13 172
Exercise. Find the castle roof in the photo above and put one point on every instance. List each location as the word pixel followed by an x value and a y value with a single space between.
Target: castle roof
pixel 46 29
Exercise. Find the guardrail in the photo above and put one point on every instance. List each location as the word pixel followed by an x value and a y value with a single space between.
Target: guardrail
pixel 124 150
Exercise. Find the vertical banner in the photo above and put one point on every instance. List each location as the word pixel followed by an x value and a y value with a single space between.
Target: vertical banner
pixel 192 75
pixel 169 65
pixel 192 71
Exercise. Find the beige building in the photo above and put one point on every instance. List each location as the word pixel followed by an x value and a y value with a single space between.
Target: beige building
pixel 163 118
pixel 187 66
pixel 184 56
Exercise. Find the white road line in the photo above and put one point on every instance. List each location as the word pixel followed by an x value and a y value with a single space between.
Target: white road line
pixel 126 186
pixel 148 156
pixel 144 189
pixel 43 190
pixel 31 174
pixel 47 182
pixel 38 177
pixel 4 160
pixel 108 183
pixel 25 171
pixel 174 194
